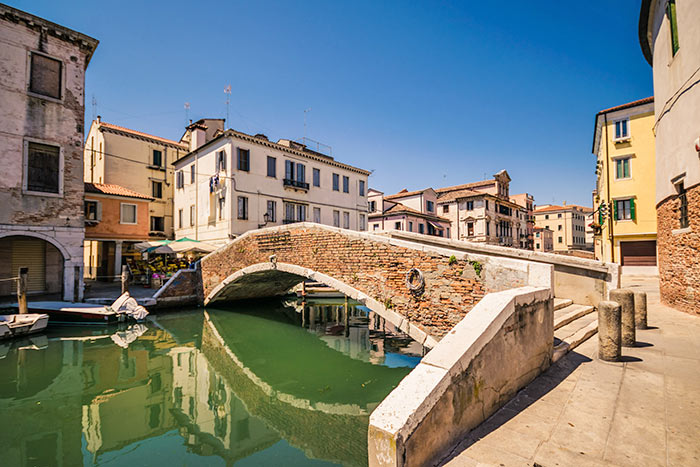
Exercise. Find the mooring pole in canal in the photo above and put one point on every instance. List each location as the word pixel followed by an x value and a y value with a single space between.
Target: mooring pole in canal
pixel 303 288
pixel 22 290
pixel 125 278
pixel 347 318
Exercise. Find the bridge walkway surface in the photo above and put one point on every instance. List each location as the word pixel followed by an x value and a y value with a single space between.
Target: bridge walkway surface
pixel 582 411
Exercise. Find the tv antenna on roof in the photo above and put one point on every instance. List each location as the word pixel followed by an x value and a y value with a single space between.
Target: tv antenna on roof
pixel 227 91
pixel 305 112
pixel 187 113
pixel 94 107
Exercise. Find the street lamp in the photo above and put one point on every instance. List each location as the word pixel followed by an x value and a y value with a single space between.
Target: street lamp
pixel 266 219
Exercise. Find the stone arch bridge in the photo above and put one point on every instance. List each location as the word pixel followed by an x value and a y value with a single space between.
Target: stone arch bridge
pixel 370 268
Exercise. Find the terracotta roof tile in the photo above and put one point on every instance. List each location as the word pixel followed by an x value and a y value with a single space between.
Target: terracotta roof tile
pixel 404 193
pixel 113 190
pixel 646 100
pixel 466 185
pixel 456 194
pixel 141 134
pixel 399 208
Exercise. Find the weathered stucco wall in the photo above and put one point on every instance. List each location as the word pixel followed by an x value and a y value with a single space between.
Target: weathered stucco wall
pixel 500 346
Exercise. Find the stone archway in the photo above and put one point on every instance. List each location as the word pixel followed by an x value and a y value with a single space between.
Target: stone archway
pixel 43 256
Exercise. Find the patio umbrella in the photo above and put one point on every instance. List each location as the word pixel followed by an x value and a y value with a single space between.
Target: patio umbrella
pixel 185 247
pixel 143 246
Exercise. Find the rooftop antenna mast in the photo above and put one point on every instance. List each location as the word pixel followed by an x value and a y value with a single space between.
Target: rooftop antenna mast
pixel 187 113
pixel 94 107
pixel 227 91
pixel 305 112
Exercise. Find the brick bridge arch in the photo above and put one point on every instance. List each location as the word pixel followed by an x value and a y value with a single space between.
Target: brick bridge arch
pixel 367 267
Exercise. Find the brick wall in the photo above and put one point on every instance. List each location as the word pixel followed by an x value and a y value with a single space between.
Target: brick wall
pixel 372 267
pixel 679 253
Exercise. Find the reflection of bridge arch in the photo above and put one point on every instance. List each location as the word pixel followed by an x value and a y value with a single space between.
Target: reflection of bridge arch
pixel 266 279
pixel 370 268
pixel 322 428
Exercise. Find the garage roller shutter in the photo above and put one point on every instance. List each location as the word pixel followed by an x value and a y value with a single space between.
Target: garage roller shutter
pixel 641 253
pixel 30 253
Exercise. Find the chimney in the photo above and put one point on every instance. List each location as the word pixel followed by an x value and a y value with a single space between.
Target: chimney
pixel 99 118
pixel 198 135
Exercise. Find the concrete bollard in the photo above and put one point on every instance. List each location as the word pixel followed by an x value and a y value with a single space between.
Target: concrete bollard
pixel 625 298
pixel 609 331
pixel 640 310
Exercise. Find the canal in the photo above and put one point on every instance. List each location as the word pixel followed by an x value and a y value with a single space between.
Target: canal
pixel 269 383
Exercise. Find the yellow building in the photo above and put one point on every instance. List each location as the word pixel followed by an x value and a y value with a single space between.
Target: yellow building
pixel 623 143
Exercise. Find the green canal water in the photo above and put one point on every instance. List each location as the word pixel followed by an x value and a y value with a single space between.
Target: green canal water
pixel 273 383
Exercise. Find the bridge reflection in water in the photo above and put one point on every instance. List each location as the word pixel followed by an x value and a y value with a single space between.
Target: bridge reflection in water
pixel 263 385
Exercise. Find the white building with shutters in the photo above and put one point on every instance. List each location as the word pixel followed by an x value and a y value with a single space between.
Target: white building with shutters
pixel 231 182
pixel 42 82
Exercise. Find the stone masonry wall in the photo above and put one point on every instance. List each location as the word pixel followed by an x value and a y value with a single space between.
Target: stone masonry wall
pixel 374 268
pixel 679 253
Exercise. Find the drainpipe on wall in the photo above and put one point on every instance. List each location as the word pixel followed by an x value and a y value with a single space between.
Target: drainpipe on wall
pixel 611 217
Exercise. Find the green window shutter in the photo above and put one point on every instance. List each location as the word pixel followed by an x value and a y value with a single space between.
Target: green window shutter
pixel 615 208
pixel 618 169
pixel 600 217
pixel 632 210
pixel 673 25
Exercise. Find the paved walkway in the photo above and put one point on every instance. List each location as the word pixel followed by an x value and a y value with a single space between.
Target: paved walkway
pixel 644 411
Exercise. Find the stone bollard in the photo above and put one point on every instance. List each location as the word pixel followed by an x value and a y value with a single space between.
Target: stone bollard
pixel 609 331
pixel 625 298
pixel 640 310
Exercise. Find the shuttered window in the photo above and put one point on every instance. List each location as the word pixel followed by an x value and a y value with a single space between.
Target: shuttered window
pixel 45 76
pixel 624 209
pixel 673 25
pixel 43 166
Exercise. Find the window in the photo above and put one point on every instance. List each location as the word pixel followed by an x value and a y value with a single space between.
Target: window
pixel 317 177
pixel 317 215
pixel 537 246
pixel 179 179
pixel 421 228
pixel 363 222
pixel 487 205
pixel 242 207
pixel 448 233
pixel 622 168
pixel 445 208
pixel 560 240
pixel 362 187
pixel 179 218
pixel 271 167
pixel 430 206
pixel 192 173
pixel 222 205
pixel 301 173
pixel 346 220
pixel 289 170
pixel 336 182
pixel 157 158
pixel 624 209
pixel 683 200
pixel 537 234
pixel 244 160
pixel 336 218
pixel 470 229
pixel 375 227
pixel 157 224
pixel 397 225
pixel 559 227
pixel 301 212
pixel 43 168
pixel 546 216
pixel 622 129
pixel 346 184
pixel 93 211
pixel 410 226
pixel 372 206
pixel 271 211
pixel 192 215
pixel 45 76
pixel 673 26
pixel 488 228
pixel 470 205
pixel 157 189
pixel 288 213
pixel 221 161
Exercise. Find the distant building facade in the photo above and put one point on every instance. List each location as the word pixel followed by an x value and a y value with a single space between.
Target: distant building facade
pixel 231 182
pixel 411 211
pixel 623 143
pixel 483 212
pixel 567 223
pixel 669 34
pixel 115 219
pixel 527 201
pixel 41 132
pixel 544 239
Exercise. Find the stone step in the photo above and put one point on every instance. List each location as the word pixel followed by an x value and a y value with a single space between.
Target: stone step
pixel 560 303
pixel 571 335
pixel 566 315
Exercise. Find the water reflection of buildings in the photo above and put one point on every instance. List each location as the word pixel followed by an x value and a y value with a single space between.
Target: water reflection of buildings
pixel 358 333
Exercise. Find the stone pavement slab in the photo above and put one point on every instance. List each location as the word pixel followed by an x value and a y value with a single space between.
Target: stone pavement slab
pixel 642 411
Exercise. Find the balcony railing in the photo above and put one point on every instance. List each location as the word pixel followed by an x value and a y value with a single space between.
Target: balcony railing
pixel 295 184
pixel 289 221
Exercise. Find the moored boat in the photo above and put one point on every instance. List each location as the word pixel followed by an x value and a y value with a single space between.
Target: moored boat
pixel 19 325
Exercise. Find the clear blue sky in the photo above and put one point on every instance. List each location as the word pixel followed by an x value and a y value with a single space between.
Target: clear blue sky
pixel 423 93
